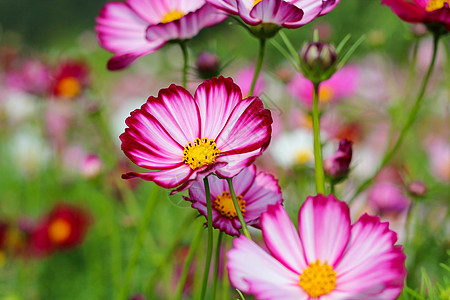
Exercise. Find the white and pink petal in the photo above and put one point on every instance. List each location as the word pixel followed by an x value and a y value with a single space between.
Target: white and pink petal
pixel 277 12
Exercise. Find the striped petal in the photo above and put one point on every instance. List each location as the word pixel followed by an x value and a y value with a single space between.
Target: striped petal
pixel 168 179
pixel 324 226
pixel 282 238
pixel 254 271
pixel 277 12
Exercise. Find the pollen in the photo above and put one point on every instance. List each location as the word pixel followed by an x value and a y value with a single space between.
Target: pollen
pixel 436 4
pixel 256 2
pixel 172 16
pixel 318 279
pixel 59 230
pixel 202 152
pixel 224 205
pixel 68 87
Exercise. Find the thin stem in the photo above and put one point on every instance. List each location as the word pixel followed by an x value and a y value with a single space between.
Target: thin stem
pixel 216 264
pixel 138 243
pixel 238 209
pixel 262 47
pixel 210 238
pixel 187 263
pixel 186 61
pixel 411 118
pixel 320 178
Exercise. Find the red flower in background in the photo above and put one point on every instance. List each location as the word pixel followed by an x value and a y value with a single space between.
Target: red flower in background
pixel 69 79
pixel 421 11
pixel 64 227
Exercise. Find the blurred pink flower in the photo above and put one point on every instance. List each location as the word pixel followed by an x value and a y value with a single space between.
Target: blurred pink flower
pixel 244 78
pixel 290 14
pixel 328 258
pixel 185 138
pixel 254 192
pixel 91 166
pixel 341 85
pixel 70 78
pixel 421 11
pixel 32 77
pixel 438 149
pixel 139 27
pixel 387 197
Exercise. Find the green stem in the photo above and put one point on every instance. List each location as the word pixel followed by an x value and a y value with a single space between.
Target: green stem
pixel 238 209
pixel 216 264
pixel 262 47
pixel 186 61
pixel 411 118
pixel 318 162
pixel 210 238
pixel 187 263
pixel 123 294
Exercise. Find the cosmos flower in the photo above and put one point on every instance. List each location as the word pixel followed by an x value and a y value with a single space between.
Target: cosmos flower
pixel 184 138
pixel 293 148
pixel 139 27
pixel 64 227
pixel 336 167
pixel 254 192
pixel 341 85
pixel 327 259
pixel 421 11
pixel 290 14
pixel 69 79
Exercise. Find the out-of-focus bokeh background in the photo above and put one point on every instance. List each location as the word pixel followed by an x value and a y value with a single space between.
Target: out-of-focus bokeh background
pixel 60 155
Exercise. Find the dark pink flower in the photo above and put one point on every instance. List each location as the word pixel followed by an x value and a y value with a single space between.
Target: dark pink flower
pixel 337 166
pixel 254 191
pixel 421 11
pixel 290 14
pixel 184 138
pixel 64 227
pixel 69 79
pixel 139 27
pixel 327 259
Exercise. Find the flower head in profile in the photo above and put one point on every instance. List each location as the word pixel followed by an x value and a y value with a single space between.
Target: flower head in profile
pixel 327 259
pixel 184 138
pixel 135 28
pixel 280 13
pixel 69 79
pixel 64 227
pixel 422 11
pixel 254 192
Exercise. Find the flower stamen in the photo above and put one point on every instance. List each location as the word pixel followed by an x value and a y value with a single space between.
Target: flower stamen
pixel 68 87
pixel 318 279
pixel 59 230
pixel 224 205
pixel 201 153
pixel 172 16
pixel 436 4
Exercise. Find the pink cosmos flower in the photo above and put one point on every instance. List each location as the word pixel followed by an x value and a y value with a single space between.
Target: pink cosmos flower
pixel 185 138
pixel 290 13
pixel 341 85
pixel 421 11
pixel 254 191
pixel 328 259
pixel 139 27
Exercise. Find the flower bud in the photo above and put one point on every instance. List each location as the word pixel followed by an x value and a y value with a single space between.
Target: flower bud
pixel 337 166
pixel 417 188
pixel 207 65
pixel 318 60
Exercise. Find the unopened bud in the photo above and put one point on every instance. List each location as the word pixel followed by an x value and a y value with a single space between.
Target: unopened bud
pixel 207 65
pixel 417 188
pixel 317 60
pixel 337 166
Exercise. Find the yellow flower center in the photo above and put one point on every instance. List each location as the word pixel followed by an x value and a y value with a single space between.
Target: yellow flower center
pixel 325 94
pixel 59 230
pixel 318 279
pixel 203 152
pixel 68 87
pixel 224 205
pixel 303 156
pixel 256 2
pixel 436 4
pixel 172 16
